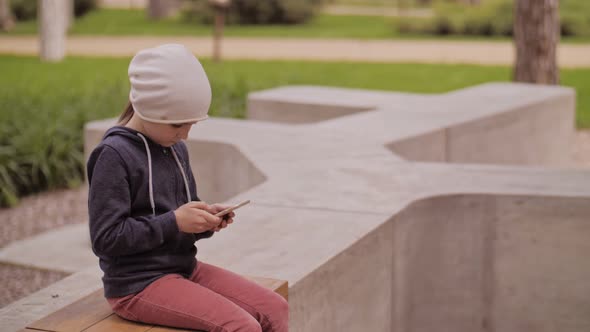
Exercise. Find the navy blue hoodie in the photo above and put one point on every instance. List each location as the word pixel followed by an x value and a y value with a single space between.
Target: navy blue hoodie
pixel 138 241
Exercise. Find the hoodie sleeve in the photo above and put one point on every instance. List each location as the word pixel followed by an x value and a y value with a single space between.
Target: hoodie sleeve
pixel 112 230
pixel 192 186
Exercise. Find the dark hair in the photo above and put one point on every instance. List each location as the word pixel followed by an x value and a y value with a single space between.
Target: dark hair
pixel 127 114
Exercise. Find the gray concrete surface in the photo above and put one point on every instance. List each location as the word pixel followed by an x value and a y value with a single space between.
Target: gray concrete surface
pixel 369 240
pixel 46 250
pixel 492 263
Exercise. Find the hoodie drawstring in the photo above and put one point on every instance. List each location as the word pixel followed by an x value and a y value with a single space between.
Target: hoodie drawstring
pixel 151 188
pixel 188 192
pixel 149 155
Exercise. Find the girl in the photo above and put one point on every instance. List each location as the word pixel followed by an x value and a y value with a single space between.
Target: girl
pixel 145 215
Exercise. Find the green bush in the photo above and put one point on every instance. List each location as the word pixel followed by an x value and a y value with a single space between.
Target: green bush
pixel 197 11
pixel 25 10
pixel 43 109
pixel 254 11
pixel 575 17
pixel 491 18
pixel 81 7
pixel 413 25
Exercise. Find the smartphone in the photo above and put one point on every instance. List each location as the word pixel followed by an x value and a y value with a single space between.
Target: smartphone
pixel 231 208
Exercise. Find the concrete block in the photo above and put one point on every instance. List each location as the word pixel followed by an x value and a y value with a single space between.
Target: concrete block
pixel 491 263
pixel 428 147
pixel 66 249
pixel 540 271
pixel 539 134
pixel 350 292
pixel 309 104
pixel 370 241
pixel 442 265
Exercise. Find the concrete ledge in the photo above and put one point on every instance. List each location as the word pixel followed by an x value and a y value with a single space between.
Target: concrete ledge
pixel 46 250
pixel 22 312
pixel 309 104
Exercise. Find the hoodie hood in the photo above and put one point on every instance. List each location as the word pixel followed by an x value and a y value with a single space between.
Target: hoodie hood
pixel 140 138
pixel 126 132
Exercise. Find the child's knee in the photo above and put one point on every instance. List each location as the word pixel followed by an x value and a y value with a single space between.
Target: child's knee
pixel 250 325
pixel 283 309
pixel 278 314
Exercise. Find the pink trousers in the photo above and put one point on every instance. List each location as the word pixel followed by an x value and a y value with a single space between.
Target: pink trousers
pixel 212 299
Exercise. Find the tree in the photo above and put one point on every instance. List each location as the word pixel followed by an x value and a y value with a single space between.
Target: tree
pixel 53 18
pixel 536 36
pixel 220 8
pixel 6 19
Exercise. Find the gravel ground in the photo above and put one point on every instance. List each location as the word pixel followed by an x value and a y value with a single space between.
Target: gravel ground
pixel 34 215
pixel 43 212
pixel 19 281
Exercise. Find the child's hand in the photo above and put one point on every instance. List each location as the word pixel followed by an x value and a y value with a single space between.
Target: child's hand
pixel 196 217
pixel 226 220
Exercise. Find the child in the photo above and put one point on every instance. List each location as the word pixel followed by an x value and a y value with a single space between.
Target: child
pixel 145 215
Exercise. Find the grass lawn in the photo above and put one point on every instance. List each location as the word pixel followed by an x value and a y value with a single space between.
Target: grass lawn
pixel 43 107
pixel 119 22
pixel 102 82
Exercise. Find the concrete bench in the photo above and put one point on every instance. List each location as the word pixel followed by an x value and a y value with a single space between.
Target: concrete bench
pixel 382 216
pixel 93 313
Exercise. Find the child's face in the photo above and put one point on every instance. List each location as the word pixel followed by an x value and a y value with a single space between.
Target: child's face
pixel 167 134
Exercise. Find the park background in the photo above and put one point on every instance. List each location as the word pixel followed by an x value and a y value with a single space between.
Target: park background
pixel 44 103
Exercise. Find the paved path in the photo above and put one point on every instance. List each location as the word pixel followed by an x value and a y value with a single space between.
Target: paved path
pixel 423 51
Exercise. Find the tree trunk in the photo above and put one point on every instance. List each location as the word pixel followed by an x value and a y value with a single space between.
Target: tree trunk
pixel 6 19
pixel 158 9
pixel 52 33
pixel 220 8
pixel 536 36
pixel 218 34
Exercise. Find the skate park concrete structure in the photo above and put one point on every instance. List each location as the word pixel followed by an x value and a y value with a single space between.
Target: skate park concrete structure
pixel 384 211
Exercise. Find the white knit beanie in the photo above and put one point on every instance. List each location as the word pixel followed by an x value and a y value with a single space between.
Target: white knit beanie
pixel 169 85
